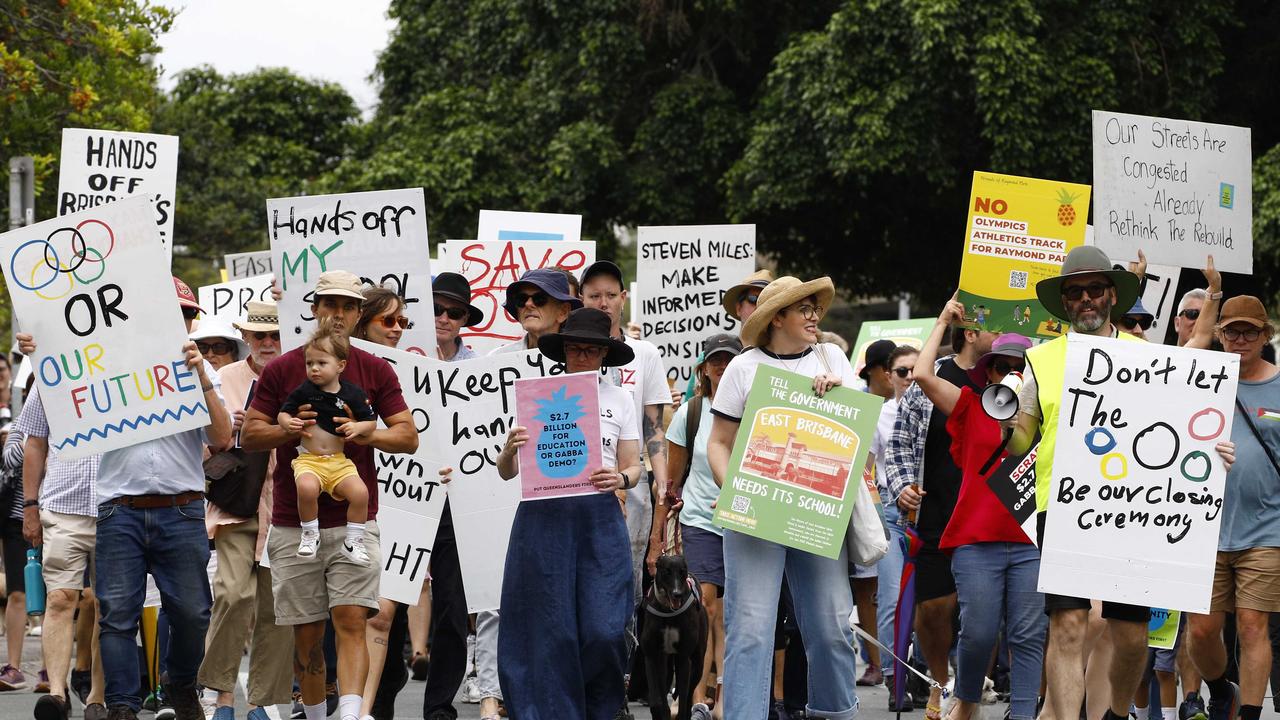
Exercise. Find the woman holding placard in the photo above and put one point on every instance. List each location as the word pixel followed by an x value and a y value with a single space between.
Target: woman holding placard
pixel 994 562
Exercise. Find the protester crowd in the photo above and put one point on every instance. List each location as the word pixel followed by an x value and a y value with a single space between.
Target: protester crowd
pixel 297 545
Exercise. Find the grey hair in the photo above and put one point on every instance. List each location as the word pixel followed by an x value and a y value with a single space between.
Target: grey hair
pixel 1193 294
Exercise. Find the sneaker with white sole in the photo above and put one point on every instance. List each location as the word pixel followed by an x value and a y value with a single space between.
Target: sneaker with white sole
pixel 354 550
pixel 309 543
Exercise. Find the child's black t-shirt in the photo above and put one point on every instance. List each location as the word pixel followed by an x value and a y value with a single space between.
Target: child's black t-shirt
pixel 329 406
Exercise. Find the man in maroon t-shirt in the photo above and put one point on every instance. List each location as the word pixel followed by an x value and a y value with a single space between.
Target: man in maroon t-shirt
pixel 308 589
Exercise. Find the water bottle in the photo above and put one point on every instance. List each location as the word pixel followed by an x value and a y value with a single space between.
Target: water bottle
pixel 35 583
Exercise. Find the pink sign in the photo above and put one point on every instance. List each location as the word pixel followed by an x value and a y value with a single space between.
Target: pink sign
pixel 562 414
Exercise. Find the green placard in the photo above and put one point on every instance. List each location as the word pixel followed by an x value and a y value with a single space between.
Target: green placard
pixel 796 461
pixel 1162 631
pixel 901 332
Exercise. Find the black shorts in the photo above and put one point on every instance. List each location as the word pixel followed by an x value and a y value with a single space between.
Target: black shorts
pixel 15 554
pixel 933 574
pixel 1110 610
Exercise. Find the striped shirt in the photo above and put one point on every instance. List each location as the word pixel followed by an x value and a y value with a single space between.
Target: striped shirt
pixel 13 451
pixel 68 487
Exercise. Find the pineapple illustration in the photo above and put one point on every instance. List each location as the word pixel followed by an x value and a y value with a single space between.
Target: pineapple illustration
pixel 561 434
pixel 1066 213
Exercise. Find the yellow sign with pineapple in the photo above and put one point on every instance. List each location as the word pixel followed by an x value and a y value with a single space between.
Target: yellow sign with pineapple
pixel 1018 233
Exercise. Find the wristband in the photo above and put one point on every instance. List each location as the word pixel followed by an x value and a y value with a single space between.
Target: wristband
pixel 626 480
pixel 1215 295
pixel 30 503
pixel 206 388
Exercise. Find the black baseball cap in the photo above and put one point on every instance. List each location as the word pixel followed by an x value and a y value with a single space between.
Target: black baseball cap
pixel 877 355
pixel 721 343
pixel 603 266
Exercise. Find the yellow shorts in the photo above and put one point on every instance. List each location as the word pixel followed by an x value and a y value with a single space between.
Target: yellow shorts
pixel 329 469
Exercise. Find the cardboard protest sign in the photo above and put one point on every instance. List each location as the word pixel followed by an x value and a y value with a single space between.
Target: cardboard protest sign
pixel 789 478
pixel 682 274
pixel 1176 189
pixel 1014 484
pixel 94 290
pixel 102 166
pixel 490 267
pixel 380 236
pixel 247 264
pixel 562 414
pixel 406 540
pixel 900 332
pixel 1135 502
pixel 508 226
pixel 1162 630
pixel 1018 233
pixel 462 412
pixel 230 300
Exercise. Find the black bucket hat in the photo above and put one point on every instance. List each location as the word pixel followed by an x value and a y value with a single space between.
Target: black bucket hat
pixel 587 326
pixel 455 287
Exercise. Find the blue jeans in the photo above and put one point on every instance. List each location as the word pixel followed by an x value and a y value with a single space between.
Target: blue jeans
pixel 995 583
pixel 170 543
pixel 889 578
pixel 822 603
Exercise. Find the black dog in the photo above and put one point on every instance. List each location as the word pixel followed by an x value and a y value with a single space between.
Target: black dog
pixel 674 637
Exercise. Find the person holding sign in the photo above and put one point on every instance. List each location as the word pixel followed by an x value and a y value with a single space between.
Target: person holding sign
pixel 1089 295
pixel 783 331
pixel 1247 576
pixel 566 591
pixel 995 565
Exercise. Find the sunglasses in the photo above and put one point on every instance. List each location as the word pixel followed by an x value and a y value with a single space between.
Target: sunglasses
pixel 1004 367
pixel 584 351
pixel 189 313
pixel 1129 322
pixel 389 322
pixel 454 313
pixel 753 298
pixel 1095 290
pixel 539 299
pixel 217 348
pixel 260 336
pixel 902 372
pixel 1233 334
pixel 1190 314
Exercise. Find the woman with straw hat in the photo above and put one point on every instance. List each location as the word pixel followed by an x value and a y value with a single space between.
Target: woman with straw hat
pixel 783 331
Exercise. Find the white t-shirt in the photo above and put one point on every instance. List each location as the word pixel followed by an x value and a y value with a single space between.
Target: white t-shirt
pixel 880 444
pixel 700 489
pixel 645 378
pixel 735 385
pixel 617 421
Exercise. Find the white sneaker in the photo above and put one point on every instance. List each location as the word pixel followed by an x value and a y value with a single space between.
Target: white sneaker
pixel 310 541
pixel 471 691
pixel 354 550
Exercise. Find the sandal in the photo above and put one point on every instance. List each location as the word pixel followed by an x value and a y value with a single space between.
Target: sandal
pixel 932 712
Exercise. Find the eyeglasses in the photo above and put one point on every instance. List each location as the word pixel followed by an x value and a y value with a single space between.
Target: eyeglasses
pixel 902 372
pixel 1004 367
pixel 454 313
pixel 810 312
pixel 583 351
pixel 539 299
pixel 260 336
pixel 753 299
pixel 1249 335
pixel 217 348
pixel 389 322
pixel 1129 322
pixel 1190 314
pixel 189 313
pixel 1095 291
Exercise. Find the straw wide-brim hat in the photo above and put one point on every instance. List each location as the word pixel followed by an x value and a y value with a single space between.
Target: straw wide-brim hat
pixel 1088 260
pixel 779 294
pixel 756 281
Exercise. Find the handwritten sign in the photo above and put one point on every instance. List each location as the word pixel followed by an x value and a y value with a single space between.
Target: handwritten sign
pixel 682 275
pixel 380 236
pixel 230 300
pixel 1018 233
pixel 247 264
pixel 562 414
pixel 795 453
pixel 1135 502
pixel 102 166
pixel 1176 189
pixel 462 412
pixel 900 332
pixel 94 289
pixel 508 226
pixel 490 267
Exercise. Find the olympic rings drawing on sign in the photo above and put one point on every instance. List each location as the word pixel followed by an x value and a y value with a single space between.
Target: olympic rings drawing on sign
pixel 1207 466
pixel 51 260
pixel 1105 447
pixel 1191 424
pixel 1124 466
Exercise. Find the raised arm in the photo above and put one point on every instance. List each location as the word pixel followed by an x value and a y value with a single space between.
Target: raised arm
pixel 1202 334
pixel 943 394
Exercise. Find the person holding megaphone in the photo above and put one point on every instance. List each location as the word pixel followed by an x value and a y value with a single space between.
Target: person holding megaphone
pixel 994 562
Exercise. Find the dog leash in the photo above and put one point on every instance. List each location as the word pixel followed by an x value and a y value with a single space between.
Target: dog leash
pixel 932 683
pixel 671 535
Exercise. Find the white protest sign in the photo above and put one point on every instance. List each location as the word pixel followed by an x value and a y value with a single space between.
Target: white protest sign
pixel 490 267
pixel 1176 189
pixel 1159 296
pixel 682 274
pixel 230 300
pixel 247 264
pixel 506 225
pixel 380 236
pixel 95 291
pixel 102 166
pixel 1137 489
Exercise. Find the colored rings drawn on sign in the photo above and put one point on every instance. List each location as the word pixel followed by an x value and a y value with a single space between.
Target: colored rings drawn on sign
pixel 1100 441
pixel 51 262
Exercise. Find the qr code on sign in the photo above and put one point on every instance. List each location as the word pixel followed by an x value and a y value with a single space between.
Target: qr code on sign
pixel 741 504
pixel 1018 279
